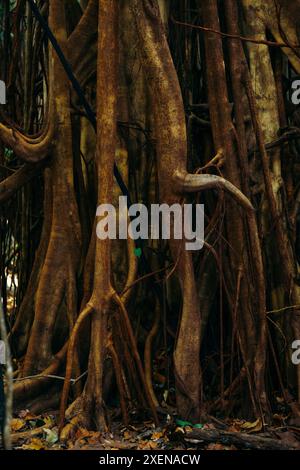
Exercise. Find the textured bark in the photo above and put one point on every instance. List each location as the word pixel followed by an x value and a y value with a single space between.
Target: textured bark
pixel 286 287
pixel 170 133
pixel 63 248
pixel 170 98
pixel 252 321
pixel 105 153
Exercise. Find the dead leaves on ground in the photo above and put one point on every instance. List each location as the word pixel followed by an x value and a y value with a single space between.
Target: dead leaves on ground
pixel 32 432
pixel 17 424
pixel 246 426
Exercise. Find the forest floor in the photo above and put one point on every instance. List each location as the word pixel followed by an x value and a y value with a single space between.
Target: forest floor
pixel 30 432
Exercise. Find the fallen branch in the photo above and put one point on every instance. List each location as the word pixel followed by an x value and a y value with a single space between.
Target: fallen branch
pixel 238 439
pixel 29 434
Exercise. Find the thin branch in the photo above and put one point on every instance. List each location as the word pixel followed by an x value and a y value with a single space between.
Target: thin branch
pixel 237 36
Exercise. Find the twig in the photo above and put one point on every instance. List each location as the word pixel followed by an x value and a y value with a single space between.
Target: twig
pixel 50 376
pixel 237 36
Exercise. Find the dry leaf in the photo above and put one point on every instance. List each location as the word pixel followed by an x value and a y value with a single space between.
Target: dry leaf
pixel 34 444
pixel 188 428
pixel 253 427
pixel 17 424
pixel 152 445
pixel 23 413
pixel 178 429
pixel 157 435
pixel 48 421
pixel 82 433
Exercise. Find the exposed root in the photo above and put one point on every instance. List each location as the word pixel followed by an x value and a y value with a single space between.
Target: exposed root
pixel 120 381
pixel 43 404
pixel 148 355
pixel 27 151
pixel 27 389
pixel 136 355
pixel 70 355
pixel 76 417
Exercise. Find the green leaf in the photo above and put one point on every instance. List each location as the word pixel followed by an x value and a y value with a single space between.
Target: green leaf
pixel 198 426
pixel 52 436
pixel 138 252
pixel 182 423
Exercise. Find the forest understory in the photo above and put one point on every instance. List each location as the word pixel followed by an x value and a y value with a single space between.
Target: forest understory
pixel 143 344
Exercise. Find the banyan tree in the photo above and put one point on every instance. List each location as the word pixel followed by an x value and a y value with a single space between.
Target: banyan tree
pixel 165 102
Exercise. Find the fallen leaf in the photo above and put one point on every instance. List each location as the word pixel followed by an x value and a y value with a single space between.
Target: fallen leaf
pixel 52 436
pixel 179 429
pixel 17 424
pixel 82 433
pixel 48 421
pixel 30 416
pixel 198 426
pixel 23 413
pixel 157 435
pixel 253 427
pixel 127 435
pixel 152 445
pixel 182 423
pixel 34 444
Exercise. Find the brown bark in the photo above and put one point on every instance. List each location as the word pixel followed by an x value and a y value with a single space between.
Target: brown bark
pixel 170 133
pixel 63 249
pixel 252 330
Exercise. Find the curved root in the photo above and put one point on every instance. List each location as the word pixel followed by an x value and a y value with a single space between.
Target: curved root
pixel 84 314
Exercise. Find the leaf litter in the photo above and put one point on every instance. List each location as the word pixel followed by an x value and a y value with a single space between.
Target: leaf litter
pixel 31 432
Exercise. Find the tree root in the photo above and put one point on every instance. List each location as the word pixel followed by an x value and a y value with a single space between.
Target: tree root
pixel 27 151
pixel 76 416
pixel 120 381
pixel 27 389
pixel 148 355
pixel 69 367
pixel 136 355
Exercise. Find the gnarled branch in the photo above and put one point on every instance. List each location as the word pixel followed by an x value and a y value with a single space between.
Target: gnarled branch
pixel 189 183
